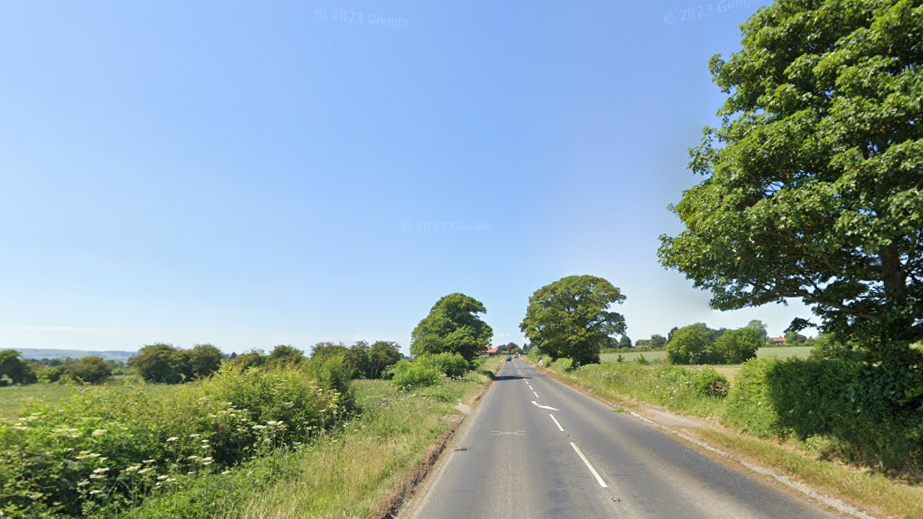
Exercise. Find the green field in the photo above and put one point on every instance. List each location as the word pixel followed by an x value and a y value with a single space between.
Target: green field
pixel 12 398
pixel 783 351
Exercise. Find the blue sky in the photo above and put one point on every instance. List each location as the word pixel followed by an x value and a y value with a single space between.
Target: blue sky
pixel 250 174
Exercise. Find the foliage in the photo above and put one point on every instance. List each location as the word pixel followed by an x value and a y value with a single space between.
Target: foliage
pixel 759 326
pixel 204 359
pixel 737 346
pixel 837 399
pixel 708 382
pixel 571 317
pixel 250 359
pixel 14 369
pixel 285 355
pixel 333 371
pixel 691 345
pixel 162 363
pixel 672 387
pixel 625 342
pixel 104 449
pixel 373 361
pixel 814 185
pixel 454 326
pixel 449 364
pixel 90 369
pixel 412 374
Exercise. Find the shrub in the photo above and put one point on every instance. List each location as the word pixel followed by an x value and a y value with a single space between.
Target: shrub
pixel 781 397
pixel 708 382
pixel 411 374
pixel 90 369
pixel 333 372
pixel 107 448
pixel 450 364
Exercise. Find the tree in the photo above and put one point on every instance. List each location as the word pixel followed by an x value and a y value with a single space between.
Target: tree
pixel 738 346
pixel 512 348
pixel 453 326
pixel 759 326
pixel 251 359
pixel 162 363
pixel 15 369
pixel 285 355
pixel 90 369
pixel 793 337
pixel 658 341
pixel 571 317
pixel 204 359
pixel 382 356
pixel 625 342
pixel 814 181
pixel 691 345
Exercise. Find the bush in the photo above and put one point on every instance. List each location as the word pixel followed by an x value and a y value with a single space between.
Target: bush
pixel 90 369
pixel 450 364
pixel 708 382
pixel 333 372
pixel 105 449
pixel 781 397
pixel 411 374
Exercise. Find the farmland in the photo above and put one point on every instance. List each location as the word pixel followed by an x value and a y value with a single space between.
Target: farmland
pixel 656 356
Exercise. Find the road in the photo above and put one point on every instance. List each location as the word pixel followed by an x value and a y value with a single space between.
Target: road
pixel 536 448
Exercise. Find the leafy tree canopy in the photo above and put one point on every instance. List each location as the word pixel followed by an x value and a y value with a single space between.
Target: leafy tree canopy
pixel 90 369
pixel 571 317
pixel 15 369
pixel 814 180
pixel 453 326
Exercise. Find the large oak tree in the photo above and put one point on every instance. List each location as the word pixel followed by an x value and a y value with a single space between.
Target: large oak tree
pixel 813 183
pixel 454 326
pixel 571 318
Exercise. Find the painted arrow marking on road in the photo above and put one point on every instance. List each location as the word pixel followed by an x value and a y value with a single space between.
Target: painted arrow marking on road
pixel 545 406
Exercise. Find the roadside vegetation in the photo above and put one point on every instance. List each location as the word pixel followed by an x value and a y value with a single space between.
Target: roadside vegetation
pixel 189 433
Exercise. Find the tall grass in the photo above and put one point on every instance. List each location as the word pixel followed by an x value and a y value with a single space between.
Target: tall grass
pixel 348 472
pixel 676 388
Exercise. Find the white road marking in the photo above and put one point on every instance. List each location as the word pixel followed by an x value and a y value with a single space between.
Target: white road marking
pixel 514 433
pixel 587 462
pixel 636 415
pixel 556 422
pixel 536 394
pixel 545 406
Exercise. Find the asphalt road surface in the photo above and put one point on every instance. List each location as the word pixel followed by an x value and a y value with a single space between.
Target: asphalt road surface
pixel 535 448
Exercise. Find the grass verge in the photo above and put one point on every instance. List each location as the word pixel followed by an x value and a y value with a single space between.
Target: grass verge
pixel 873 492
pixel 353 472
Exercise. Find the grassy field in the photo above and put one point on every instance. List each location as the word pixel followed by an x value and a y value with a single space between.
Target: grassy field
pixel 12 398
pixel 654 356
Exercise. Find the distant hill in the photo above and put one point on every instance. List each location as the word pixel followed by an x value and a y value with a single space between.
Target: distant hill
pixel 41 353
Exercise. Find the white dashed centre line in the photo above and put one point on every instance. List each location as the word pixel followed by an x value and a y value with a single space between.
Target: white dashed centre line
pixel 587 463
pixel 556 422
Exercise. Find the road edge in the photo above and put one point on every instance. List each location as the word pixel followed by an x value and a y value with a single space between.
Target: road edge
pixel 401 493
pixel 800 488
